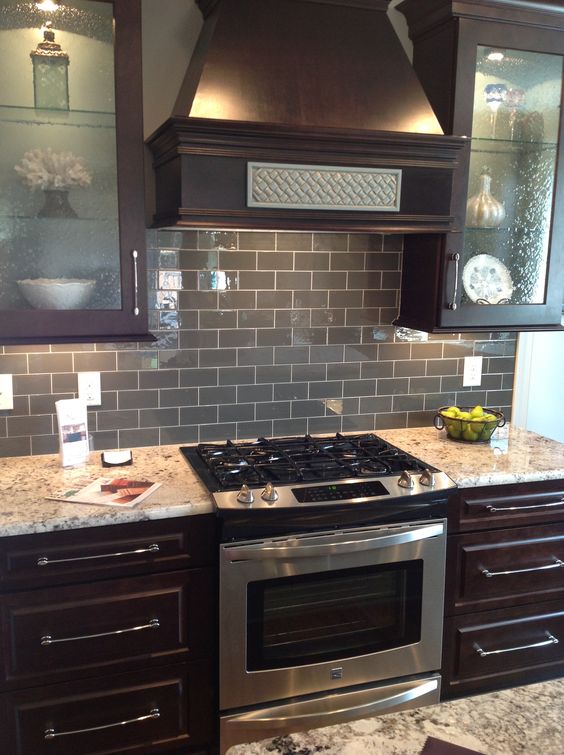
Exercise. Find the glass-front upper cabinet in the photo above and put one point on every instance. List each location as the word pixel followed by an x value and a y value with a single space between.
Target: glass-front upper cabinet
pixel 504 91
pixel 71 176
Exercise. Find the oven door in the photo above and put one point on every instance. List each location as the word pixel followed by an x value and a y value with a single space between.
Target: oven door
pixel 313 613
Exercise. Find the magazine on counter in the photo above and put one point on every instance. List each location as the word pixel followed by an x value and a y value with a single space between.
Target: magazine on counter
pixel 123 492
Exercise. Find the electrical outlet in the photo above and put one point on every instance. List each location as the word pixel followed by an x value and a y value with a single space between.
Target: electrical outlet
pixel 89 389
pixel 472 371
pixel 6 392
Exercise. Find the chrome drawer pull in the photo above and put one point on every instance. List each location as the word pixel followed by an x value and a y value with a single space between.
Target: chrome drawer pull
pixel 558 564
pixel 52 734
pixel 45 561
pixel 135 255
pixel 48 640
pixel 552 640
pixel 494 509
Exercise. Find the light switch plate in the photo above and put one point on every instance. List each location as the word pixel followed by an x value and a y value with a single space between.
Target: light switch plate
pixel 89 388
pixel 6 393
pixel 472 371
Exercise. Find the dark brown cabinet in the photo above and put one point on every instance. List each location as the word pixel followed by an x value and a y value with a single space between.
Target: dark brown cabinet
pixel 72 253
pixel 493 73
pixel 504 599
pixel 121 630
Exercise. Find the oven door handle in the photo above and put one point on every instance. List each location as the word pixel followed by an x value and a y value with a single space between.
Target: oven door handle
pixel 296 548
pixel 333 708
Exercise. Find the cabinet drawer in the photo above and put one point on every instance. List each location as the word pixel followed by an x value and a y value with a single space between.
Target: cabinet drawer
pixel 505 567
pixel 63 632
pixel 512 505
pixel 150 711
pixel 102 552
pixel 494 649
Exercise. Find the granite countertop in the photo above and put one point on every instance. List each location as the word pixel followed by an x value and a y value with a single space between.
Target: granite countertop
pixel 513 455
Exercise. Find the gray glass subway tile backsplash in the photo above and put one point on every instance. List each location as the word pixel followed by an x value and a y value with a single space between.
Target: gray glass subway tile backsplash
pixel 259 333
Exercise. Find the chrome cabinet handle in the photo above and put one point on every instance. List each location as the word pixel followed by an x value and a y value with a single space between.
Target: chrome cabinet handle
pixel 494 509
pixel 552 640
pixel 135 255
pixel 558 564
pixel 153 714
pixel 304 548
pixel 47 639
pixel 45 561
pixel 455 257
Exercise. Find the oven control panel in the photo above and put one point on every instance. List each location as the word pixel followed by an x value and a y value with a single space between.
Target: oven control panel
pixel 349 492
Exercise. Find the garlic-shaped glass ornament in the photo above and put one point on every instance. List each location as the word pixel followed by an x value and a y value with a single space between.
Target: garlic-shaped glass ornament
pixel 483 210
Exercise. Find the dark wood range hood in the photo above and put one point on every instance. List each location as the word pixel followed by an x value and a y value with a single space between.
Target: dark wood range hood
pixel 302 114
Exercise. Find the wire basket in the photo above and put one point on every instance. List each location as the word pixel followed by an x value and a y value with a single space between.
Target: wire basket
pixel 468 430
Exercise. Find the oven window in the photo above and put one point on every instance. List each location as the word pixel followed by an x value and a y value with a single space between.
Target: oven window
pixel 293 621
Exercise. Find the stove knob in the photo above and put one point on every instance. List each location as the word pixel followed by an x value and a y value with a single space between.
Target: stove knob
pixel 427 478
pixel 406 480
pixel 270 493
pixel 245 495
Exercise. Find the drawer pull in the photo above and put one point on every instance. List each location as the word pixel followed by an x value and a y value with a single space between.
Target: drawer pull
pixel 153 714
pixel 495 509
pixel 552 640
pixel 48 640
pixel 45 561
pixel 558 564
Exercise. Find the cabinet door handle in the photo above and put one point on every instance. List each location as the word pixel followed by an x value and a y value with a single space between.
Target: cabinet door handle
pixel 455 257
pixel 47 639
pixel 558 564
pixel 45 561
pixel 552 640
pixel 153 714
pixel 494 509
pixel 135 255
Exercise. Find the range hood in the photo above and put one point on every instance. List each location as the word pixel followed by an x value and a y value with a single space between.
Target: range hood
pixel 302 114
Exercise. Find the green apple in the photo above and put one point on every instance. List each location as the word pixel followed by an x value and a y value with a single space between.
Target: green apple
pixel 477 411
pixel 468 434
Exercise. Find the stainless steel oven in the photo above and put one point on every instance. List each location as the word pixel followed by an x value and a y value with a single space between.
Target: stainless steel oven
pixel 330 593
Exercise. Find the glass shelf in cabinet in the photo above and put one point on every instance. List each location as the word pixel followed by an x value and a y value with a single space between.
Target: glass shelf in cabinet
pixel 65 118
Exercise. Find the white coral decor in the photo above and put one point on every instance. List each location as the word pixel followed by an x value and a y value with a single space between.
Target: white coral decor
pixel 45 169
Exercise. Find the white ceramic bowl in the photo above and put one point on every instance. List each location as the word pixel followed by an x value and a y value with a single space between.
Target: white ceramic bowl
pixel 57 293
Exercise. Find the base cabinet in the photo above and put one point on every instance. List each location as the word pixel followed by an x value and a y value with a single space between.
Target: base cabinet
pixel 504 603
pixel 123 662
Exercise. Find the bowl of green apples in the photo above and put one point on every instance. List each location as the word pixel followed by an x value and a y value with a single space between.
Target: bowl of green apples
pixel 468 424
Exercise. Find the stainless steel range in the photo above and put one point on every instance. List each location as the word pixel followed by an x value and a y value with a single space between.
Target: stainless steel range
pixel 331 568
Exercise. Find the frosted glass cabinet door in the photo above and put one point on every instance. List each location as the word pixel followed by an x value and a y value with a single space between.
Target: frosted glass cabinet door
pixel 515 127
pixel 71 196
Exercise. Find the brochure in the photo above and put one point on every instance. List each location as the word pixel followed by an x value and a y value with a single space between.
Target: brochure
pixel 124 492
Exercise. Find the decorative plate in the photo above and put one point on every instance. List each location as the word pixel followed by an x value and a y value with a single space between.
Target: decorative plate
pixel 486 280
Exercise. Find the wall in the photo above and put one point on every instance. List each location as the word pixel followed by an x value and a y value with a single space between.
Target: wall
pixel 259 334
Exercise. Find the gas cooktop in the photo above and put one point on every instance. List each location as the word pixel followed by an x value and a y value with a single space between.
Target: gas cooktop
pixel 310 471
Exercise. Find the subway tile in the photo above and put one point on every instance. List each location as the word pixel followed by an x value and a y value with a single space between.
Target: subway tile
pixel 359 388
pixel 256 318
pixel 257 240
pixel 451 383
pixel 290 281
pixel 275 261
pixel 15 446
pixel 308 409
pixel 38 425
pixel 310 261
pixel 252 430
pixel 237 337
pixel 458 350
pixel 358 423
pixel 376 370
pixel 175 435
pixel 118 420
pixel 181 358
pixel 294 241
pixel 365 242
pixel 470 398
pixel 361 353
pixel 375 404
pixel 392 386
pixel 390 421
pixel 499 364
pixel 168 258
pixel 32 384
pixel 495 382
pixel 221 318
pixel 291 354
pixel 249 394
pixel 41 363
pixel 325 425
pixel 62 382
pixel 155 379
pixel 344 371
pixel 347 261
pixel 237 300
pixel 218 357
pixel 329 317
pixel 230 260
pixel 302 336
pixel 236 375
pixel 394 351
pixel 494 398
pixel 330 242
pixel 273 410
pixel 283 427
pixel 426 350
pixel 137 438
pixel 213 280
pixel 46 404
pixel 104 440
pixel 391 280
pixel 326 389
pixel 44 444
pixel 224 394
pixel 382 298
pixel 344 335
pixel 274 299
pixel 158 417
pixel 218 432
pixel 507 381
pixel 256 280
pixel 345 299
pixel 217 240
pixel 198 300
pixel 167 340
pixel 274 337
pixel 274 374
pixel 236 413
pixel 177 239
pixel 163 300
pixel 193 260
pixel 290 391
pixel 190 280
pixel 329 280
pixel 198 339
pixel 329 353
pixel 348 405
pixel 393 241
pixel 136 360
pixel 25 349
pixel 172 320
pixel 178 397
pixel 388 315
pixel 307 373
pixel 259 355
pixel 140 399
pixel 198 415
pixel 409 368
pixel 58 348
pixel 442 366
pixel 298 318
pixel 21 407
pixel 402 403
pixel 425 385
pixel 364 279
pixel 312 299
pixel 384 261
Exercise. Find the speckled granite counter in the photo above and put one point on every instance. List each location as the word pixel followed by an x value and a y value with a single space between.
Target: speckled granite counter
pixel 25 481
pixel 513 455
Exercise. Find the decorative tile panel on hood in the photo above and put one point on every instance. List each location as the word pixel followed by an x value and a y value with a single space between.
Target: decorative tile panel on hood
pixel 319 86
